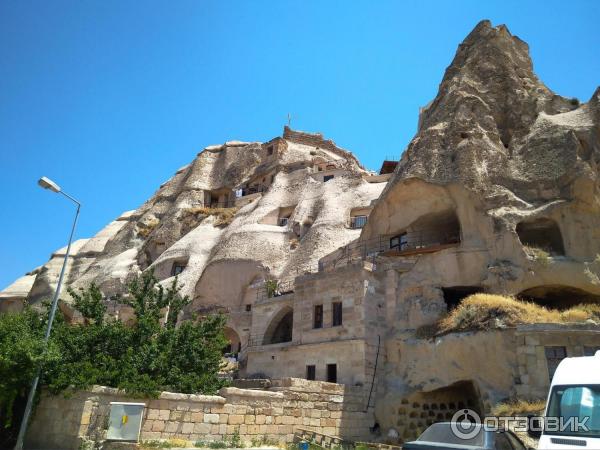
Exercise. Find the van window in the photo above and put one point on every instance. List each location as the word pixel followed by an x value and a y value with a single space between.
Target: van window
pixel 576 401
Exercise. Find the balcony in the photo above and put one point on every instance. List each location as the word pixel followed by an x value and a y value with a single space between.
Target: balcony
pixel 402 244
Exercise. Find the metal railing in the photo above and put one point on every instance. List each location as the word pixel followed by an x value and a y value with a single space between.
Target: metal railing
pixel 274 288
pixel 414 242
pixel 255 341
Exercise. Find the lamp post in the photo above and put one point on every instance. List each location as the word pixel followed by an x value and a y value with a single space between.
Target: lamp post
pixel 46 183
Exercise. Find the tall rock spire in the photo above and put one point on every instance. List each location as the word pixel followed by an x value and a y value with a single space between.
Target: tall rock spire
pixel 490 106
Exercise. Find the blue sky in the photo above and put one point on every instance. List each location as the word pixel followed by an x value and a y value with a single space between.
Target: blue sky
pixel 109 98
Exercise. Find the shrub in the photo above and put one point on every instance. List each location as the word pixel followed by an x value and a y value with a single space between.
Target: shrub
pixel 519 407
pixel 271 287
pixel 539 255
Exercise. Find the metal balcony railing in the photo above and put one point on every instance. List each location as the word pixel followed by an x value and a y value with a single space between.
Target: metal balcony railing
pixel 255 341
pixel 402 244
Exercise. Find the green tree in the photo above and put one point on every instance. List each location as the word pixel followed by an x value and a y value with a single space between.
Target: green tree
pixel 154 353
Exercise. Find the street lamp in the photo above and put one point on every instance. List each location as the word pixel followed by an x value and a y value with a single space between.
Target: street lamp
pixel 47 183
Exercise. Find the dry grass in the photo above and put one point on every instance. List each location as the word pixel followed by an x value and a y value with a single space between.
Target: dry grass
pixel 518 407
pixel 224 216
pixel 487 311
pixel 145 228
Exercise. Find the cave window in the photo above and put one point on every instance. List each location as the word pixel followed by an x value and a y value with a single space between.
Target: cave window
pixel 453 296
pixel 558 296
pixel 311 372
pixel 177 269
pixel 554 355
pixel 270 150
pixel 248 307
pixel 543 234
pixel 318 317
pixel 358 221
pixel 332 373
pixel 399 241
pixel 337 314
pixel 327 178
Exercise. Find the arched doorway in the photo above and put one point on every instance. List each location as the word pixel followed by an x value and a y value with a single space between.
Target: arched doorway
pixel 234 342
pixel 280 328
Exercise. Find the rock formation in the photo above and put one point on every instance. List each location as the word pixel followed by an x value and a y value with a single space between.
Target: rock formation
pixel 498 192
pixel 287 219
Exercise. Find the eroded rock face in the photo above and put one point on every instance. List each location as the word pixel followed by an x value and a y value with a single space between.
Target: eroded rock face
pixel 287 219
pixel 511 168
pixel 494 126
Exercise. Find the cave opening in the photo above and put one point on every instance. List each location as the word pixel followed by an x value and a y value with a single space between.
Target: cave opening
pixel 543 234
pixel 558 296
pixel 454 295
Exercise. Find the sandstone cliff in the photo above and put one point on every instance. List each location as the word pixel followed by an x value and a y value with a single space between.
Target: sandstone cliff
pixel 287 219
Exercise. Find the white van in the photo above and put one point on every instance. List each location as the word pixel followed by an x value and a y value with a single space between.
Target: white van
pixel 574 395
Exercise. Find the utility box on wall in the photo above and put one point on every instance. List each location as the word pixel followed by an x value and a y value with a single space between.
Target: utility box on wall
pixel 125 421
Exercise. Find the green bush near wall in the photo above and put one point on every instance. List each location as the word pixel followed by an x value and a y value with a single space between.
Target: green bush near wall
pixel 143 358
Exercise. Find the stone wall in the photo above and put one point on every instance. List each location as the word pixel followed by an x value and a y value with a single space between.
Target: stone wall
pixel 61 422
pixel 532 341
pixel 286 360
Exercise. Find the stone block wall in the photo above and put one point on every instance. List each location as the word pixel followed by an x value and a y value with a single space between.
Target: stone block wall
pixel 532 340
pixel 61 422
pixel 285 360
